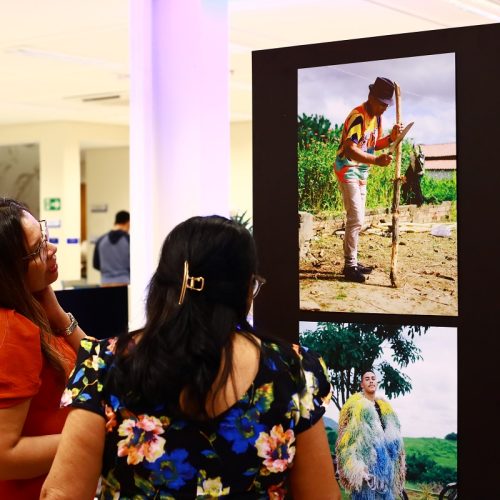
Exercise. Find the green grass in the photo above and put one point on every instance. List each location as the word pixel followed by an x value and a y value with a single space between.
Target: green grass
pixel 442 451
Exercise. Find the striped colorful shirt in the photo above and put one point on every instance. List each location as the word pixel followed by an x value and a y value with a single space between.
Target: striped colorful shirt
pixel 364 131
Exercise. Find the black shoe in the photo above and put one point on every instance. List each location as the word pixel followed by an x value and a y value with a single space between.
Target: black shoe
pixel 365 269
pixel 354 274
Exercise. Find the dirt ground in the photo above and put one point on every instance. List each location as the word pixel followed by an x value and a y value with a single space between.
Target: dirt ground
pixel 427 273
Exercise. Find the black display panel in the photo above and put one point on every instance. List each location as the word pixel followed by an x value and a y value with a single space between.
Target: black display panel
pixel 276 220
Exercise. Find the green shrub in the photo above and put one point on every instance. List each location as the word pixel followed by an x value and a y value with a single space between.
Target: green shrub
pixel 316 128
pixel 418 464
pixel 438 190
pixel 318 190
pixel 423 469
pixel 317 148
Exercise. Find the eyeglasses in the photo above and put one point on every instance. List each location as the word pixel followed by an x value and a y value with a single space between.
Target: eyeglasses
pixel 41 250
pixel 258 281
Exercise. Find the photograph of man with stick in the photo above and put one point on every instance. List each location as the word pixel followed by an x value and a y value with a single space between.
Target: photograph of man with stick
pixel 377 189
pixel 361 137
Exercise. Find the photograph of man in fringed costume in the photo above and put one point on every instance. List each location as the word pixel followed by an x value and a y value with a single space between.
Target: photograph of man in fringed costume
pixel 370 450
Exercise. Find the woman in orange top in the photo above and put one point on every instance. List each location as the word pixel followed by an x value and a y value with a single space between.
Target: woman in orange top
pixel 38 341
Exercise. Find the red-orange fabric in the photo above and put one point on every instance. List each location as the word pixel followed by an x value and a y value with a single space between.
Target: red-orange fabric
pixel 25 374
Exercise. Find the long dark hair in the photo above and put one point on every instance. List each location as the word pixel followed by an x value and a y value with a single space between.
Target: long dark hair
pixel 185 348
pixel 14 292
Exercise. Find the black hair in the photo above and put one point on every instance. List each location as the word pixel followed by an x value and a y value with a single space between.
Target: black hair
pixel 185 348
pixel 122 217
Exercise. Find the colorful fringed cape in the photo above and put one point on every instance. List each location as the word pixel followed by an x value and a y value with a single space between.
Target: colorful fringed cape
pixel 366 450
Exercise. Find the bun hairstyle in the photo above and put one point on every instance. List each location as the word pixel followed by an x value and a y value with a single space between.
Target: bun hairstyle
pixel 183 344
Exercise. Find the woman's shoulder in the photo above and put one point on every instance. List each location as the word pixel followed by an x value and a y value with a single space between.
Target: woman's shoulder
pixel 302 365
pixel 293 355
pixel 16 329
pixel 102 348
pixel 12 318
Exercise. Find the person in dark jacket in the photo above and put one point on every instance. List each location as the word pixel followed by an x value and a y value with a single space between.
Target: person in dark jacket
pixel 112 252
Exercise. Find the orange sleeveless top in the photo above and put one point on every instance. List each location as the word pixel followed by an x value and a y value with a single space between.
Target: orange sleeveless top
pixel 26 374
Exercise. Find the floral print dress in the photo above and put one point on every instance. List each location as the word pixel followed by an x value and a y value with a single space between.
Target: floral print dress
pixel 244 452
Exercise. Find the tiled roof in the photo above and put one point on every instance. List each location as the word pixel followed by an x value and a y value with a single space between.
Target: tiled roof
pixel 440 164
pixel 439 150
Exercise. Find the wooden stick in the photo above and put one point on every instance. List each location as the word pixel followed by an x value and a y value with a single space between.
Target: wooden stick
pixel 395 198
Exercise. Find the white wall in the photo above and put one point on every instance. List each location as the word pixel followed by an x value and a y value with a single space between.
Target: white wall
pixel 60 144
pixel 20 174
pixel 241 168
pixel 103 150
pixel 107 181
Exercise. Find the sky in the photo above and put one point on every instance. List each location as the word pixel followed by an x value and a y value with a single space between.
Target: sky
pixel 430 410
pixel 427 86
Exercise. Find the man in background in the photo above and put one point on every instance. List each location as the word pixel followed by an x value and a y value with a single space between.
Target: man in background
pixel 369 449
pixel 112 253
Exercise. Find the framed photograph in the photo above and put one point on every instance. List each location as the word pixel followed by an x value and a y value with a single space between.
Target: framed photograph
pixel 333 108
pixel 447 266
pixel 403 364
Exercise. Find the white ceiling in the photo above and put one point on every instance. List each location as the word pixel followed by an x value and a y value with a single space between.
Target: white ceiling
pixel 56 52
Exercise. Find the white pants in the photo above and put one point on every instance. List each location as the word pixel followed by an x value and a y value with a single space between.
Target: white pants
pixel 354 198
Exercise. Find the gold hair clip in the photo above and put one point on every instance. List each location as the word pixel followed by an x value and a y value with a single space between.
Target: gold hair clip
pixel 195 283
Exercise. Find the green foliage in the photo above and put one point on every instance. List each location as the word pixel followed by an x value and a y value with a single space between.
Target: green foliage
pixel 317 149
pixel 422 468
pixel 380 187
pixel 452 436
pixel 416 465
pixel 351 349
pixel 438 190
pixel 314 128
pixel 318 142
pixel 241 218
pixel 318 190
pixel 442 451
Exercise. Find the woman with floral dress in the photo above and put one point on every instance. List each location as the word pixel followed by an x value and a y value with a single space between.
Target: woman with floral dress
pixel 196 405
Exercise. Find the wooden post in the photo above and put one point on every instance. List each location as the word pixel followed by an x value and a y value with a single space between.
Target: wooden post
pixel 395 198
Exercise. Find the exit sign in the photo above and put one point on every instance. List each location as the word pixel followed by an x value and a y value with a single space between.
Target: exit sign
pixel 52 203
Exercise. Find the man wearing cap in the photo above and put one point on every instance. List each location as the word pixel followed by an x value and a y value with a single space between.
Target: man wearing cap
pixel 361 137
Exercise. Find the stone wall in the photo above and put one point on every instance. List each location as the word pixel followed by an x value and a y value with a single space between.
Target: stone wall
pixel 407 213
pixel 411 213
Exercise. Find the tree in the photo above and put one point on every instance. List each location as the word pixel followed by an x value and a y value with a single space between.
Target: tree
pixel 350 349
pixel 312 128
pixel 452 436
